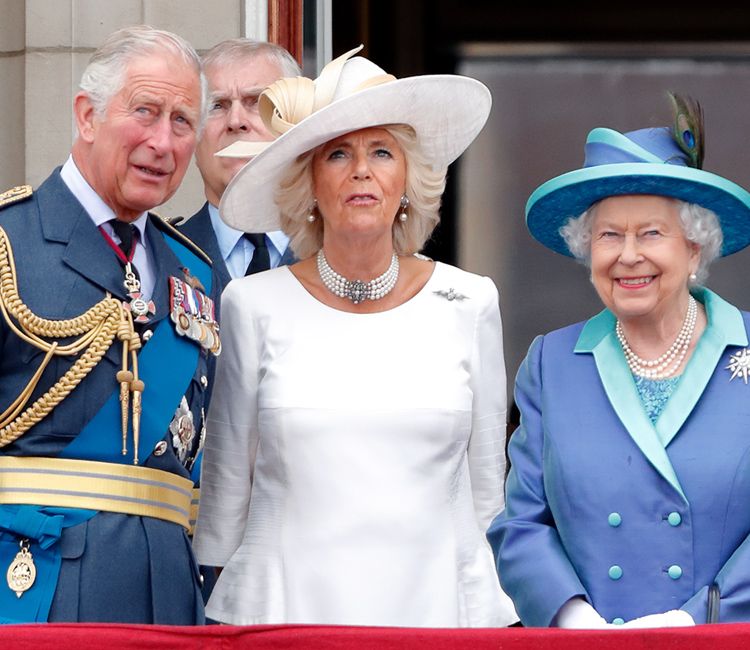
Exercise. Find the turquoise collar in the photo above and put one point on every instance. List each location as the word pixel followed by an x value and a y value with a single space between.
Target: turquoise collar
pixel 722 316
pixel 725 327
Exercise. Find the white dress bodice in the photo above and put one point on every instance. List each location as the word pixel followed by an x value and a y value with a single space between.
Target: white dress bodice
pixel 354 461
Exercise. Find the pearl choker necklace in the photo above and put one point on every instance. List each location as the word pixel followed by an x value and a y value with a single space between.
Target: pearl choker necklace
pixel 668 363
pixel 358 290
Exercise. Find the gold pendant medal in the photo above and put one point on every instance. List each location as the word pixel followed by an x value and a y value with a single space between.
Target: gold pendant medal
pixel 22 572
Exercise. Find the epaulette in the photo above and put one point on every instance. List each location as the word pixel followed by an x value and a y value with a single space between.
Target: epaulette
pixel 172 221
pixel 166 227
pixel 15 194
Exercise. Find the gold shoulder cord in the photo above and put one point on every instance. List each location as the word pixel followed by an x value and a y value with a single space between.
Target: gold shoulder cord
pixel 95 329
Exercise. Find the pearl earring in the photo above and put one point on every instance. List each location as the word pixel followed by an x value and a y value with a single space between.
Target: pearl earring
pixel 404 204
pixel 311 216
pixel 692 277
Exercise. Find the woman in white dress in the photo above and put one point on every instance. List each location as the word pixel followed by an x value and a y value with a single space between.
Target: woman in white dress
pixel 354 454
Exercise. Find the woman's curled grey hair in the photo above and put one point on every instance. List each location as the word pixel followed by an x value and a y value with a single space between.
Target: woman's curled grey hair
pixel 700 226
pixel 424 188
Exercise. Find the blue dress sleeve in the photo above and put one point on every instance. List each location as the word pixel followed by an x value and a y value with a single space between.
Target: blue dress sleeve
pixel 533 566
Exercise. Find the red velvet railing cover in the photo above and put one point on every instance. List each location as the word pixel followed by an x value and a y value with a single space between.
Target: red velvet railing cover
pixel 83 636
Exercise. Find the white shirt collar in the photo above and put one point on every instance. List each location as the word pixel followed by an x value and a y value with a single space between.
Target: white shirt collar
pixel 227 237
pixel 279 240
pixel 95 207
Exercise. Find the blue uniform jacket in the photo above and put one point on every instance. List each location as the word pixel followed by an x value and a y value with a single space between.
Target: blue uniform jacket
pixel 114 567
pixel 636 518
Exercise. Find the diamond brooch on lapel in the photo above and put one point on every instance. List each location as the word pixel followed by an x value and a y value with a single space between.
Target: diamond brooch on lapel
pixel 739 365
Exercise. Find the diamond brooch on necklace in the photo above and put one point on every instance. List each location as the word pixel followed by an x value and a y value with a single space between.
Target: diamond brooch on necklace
pixel 358 290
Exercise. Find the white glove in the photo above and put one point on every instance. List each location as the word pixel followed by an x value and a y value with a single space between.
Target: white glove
pixel 579 614
pixel 672 618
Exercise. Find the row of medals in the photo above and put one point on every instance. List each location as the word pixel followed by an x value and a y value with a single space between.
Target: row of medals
pixel 194 317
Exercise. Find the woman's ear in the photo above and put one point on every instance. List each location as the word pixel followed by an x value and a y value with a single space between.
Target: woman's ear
pixel 695 257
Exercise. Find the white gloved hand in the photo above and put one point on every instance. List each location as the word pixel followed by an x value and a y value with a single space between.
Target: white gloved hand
pixel 672 618
pixel 577 613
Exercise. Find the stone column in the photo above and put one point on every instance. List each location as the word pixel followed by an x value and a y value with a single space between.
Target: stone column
pixel 12 123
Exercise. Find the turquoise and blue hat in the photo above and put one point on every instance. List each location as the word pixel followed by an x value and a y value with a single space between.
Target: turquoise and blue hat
pixel 647 161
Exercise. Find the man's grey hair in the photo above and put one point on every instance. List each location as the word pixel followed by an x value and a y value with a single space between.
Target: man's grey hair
pixel 244 49
pixel 699 225
pixel 104 76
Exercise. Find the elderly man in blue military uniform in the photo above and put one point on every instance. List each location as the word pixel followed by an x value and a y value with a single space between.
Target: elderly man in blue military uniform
pixel 106 328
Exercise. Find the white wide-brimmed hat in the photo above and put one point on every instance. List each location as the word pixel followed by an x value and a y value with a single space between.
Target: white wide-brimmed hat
pixel 446 111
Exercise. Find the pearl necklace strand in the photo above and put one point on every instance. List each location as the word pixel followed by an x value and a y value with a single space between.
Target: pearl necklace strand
pixel 358 290
pixel 668 363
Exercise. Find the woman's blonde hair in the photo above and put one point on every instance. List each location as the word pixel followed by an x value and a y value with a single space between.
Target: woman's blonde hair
pixel 424 189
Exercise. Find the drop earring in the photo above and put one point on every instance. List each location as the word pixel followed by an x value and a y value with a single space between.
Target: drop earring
pixel 311 216
pixel 404 204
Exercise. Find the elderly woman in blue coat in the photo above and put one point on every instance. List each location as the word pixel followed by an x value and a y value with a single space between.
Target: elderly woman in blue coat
pixel 627 501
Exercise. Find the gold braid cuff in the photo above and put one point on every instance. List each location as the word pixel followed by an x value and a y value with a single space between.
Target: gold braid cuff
pixel 95 331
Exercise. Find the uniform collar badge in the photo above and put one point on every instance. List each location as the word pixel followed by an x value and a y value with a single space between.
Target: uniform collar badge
pixel 192 281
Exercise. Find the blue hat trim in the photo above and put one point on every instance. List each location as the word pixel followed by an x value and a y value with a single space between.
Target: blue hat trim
pixel 647 161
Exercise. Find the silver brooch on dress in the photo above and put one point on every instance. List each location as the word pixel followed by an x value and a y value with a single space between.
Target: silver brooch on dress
pixel 450 295
pixel 739 365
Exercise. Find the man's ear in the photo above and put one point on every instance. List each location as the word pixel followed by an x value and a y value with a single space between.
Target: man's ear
pixel 83 110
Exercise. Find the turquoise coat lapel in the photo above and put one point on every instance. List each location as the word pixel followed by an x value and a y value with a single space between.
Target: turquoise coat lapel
pixel 598 337
pixel 725 327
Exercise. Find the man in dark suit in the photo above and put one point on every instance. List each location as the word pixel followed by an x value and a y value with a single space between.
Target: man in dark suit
pixel 106 329
pixel 237 72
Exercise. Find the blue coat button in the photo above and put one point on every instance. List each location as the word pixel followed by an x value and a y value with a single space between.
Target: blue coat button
pixel 614 519
pixel 615 572
pixel 618 621
pixel 674 519
pixel 674 572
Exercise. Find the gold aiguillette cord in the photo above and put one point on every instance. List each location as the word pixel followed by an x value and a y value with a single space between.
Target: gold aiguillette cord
pixel 92 332
pixel 129 382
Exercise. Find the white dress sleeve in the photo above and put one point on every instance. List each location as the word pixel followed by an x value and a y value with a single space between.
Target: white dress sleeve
pixel 231 434
pixel 486 452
